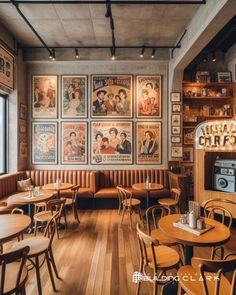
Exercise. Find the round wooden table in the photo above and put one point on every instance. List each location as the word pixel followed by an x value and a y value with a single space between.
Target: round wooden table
pixel 218 235
pixel 142 187
pixel 24 198
pixel 12 225
pixel 55 187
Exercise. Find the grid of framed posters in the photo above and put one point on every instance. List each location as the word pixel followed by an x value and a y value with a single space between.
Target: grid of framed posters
pixel 111 130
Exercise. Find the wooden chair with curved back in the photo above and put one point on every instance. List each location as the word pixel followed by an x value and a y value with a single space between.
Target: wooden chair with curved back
pixel 128 204
pixel 173 202
pixel 156 233
pixel 41 246
pixel 72 202
pixel 207 277
pixel 155 257
pixel 13 271
pixel 216 208
pixel 43 217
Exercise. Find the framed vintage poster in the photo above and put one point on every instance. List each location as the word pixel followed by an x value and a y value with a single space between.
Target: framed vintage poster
pixel 176 120
pixel 6 68
pixel 23 111
pixel 74 143
pixel 188 154
pixel 44 143
pixel 189 135
pixel 176 151
pixel 148 143
pixel 175 130
pixel 175 139
pixel 148 96
pixel 44 96
pixel 74 97
pixel 224 77
pixel 111 142
pixel 188 170
pixel 23 146
pixel 175 97
pixel 176 108
pixel 111 96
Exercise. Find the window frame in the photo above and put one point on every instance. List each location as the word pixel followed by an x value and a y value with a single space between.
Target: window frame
pixel 5 132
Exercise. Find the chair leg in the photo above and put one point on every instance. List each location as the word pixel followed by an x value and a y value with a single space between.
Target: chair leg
pixel 35 227
pixel 140 215
pixel 139 281
pixel 37 269
pixel 76 213
pixel 50 271
pixel 23 292
pixel 155 287
pixel 123 213
pixel 64 213
pixel 212 253
pixel 53 263
pixel 130 217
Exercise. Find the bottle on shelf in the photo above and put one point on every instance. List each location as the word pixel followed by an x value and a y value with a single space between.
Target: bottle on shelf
pixel 147 184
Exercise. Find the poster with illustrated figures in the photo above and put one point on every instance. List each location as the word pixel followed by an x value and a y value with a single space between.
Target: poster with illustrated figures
pixel 111 96
pixel 148 147
pixel 148 100
pixel 44 97
pixel 74 97
pixel 44 143
pixel 74 143
pixel 111 142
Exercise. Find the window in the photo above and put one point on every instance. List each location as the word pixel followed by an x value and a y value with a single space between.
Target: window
pixel 3 133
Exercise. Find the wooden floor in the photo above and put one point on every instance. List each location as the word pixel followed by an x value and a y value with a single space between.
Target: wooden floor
pixel 97 257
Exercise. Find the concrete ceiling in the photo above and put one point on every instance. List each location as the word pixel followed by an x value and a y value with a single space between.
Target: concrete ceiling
pixel 86 25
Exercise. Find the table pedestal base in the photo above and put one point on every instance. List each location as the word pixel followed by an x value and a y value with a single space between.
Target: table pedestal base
pixel 188 251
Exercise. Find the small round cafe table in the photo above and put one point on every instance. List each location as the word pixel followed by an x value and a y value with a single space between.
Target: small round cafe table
pixel 24 198
pixel 142 187
pixel 12 225
pixel 58 188
pixel 216 236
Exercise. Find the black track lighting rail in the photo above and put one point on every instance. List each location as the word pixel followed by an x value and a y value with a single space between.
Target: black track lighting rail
pixel 178 44
pixel 136 2
pixel 31 27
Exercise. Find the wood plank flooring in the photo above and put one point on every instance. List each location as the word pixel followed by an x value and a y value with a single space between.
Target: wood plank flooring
pixel 98 257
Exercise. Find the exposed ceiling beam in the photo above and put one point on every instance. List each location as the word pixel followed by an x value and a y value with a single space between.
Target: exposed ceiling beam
pixel 166 2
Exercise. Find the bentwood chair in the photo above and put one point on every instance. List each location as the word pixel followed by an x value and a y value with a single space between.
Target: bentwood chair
pixel 207 277
pixel 72 202
pixel 216 208
pixel 156 258
pixel 128 204
pixel 43 217
pixel 173 202
pixel 13 271
pixel 152 214
pixel 41 251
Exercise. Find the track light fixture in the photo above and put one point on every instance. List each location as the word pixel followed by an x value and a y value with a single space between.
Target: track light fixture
pixel 213 57
pixel 113 53
pixel 52 55
pixel 153 52
pixel 205 59
pixel 76 53
pixel 142 52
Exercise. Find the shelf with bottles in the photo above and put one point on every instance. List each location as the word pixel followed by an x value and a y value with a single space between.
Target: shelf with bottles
pixel 214 90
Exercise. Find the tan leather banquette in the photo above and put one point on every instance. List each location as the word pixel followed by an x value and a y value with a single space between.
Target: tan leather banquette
pixel 85 178
pixel 109 179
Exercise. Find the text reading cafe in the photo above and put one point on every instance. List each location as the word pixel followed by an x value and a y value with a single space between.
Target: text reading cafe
pixel 118 147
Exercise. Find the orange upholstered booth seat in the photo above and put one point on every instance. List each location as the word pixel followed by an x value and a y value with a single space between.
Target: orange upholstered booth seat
pixel 85 178
pixel 109 179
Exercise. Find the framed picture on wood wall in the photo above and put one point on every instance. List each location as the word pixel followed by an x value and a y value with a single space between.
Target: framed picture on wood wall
pixel 148 143
pixel 74 143
pixel 148 96
pixel 189 135
pixel 111 142
pixel 176 151
pixel 44 143
pixel 74 97
pixel 23 111
pixel 188 153
pixel 44 96
pixel 175 97
pixel 111 96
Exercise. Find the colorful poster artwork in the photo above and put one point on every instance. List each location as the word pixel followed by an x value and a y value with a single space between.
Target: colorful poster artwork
pixel 111 143
pixel 44 143
pixel 112 96
pixel 148 101
pixel 74 143
pixel 74 96
pixel 44 97
pixel 148 147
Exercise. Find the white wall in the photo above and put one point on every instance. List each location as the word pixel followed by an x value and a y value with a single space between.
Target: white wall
pixel 101 67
